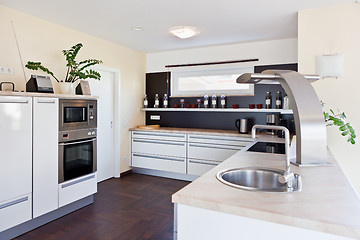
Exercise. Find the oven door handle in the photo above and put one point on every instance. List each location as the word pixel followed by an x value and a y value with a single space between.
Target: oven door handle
pixel 72 143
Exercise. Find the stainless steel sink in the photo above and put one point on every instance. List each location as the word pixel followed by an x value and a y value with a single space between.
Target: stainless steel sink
pixel 258 179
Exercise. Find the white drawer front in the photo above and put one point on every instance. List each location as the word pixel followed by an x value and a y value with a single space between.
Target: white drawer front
pixel 15 212
pixel 218 139
pixel 211 152
pixel 159 136
pixel 198 168
pixel 77 189
pixel 157 147
pixel 156 162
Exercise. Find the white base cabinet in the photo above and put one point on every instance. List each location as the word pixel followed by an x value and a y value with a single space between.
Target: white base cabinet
pixel 45 155
pixel 15 160
pixel 15 211
pixel 77 189
pixel 159 151
pixel 207 151
pixel 192 154
pixel 218 225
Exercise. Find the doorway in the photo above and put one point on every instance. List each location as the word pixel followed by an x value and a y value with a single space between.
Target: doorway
pixel 108 136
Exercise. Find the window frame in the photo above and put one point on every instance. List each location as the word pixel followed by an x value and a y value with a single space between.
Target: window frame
pixel 175 75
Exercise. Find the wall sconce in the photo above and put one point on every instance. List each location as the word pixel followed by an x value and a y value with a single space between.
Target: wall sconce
pixel 330 66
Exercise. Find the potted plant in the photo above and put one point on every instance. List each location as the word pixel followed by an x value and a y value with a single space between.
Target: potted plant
pixel 75 70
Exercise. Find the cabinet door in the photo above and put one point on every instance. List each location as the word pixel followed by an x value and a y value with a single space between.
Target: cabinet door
pixel 15 147
pixel 45 154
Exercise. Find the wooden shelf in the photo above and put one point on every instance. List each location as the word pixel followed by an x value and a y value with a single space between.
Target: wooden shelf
pixel 282 111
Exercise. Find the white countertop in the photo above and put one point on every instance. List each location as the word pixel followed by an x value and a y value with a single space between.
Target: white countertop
pixel 327 202
pixel 35 94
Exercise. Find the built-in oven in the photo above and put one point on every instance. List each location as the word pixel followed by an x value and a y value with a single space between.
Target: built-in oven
pixel 77 138
pixel 77 153
pixel 77 114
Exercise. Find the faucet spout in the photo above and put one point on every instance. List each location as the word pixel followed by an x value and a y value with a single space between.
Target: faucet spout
pixel 287 176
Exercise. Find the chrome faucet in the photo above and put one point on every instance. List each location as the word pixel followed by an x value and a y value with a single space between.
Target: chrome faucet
pixel 287 176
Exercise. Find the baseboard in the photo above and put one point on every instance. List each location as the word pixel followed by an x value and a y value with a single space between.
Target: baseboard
pixel 158 173
pixel 123 174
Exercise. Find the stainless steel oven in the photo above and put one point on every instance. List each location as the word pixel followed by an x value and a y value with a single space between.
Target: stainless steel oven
pixel 77 138
pixel 77 153
pixel 77 114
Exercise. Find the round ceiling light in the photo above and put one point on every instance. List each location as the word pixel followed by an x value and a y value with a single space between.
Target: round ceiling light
pixel 184 31
pixel 137 28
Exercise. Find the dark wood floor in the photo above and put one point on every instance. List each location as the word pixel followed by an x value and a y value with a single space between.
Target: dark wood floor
pixel 132 207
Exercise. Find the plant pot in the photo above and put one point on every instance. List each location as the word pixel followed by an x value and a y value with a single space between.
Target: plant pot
pixel 66 88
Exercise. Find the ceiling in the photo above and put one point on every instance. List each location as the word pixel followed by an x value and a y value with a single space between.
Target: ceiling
pixel 219 22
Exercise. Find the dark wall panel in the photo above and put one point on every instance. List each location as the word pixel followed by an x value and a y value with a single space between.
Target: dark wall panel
pixel 160 83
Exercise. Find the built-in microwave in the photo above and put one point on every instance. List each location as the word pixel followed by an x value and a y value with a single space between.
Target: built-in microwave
pixel 77 114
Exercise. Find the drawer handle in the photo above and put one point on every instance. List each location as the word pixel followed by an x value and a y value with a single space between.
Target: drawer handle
pixel 217 138
pixel 20 200
pixel 157 142
pixel 25 101
pixel 160 158
pixel 77 181
pixel 204 162
pixel 207 146
pixel 53 101
pixel 158 134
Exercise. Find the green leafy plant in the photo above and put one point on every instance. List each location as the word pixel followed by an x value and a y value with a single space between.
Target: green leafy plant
pixel 75 70
pixel 339 119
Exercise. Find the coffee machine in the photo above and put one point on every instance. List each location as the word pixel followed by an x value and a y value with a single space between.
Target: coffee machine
pixel 274 120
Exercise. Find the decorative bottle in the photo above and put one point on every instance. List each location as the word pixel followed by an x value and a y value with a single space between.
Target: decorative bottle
pixel 268 100
pixel 206 101
pixel 213 101
pixel 157 101
pixel 182 102
pixel 146 102
pixel 165 103
pixel 222 101
pixel 278 101
pixel 198 102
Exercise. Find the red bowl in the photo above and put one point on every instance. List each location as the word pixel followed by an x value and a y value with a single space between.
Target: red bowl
pixel 176 105
pixel 251 106
pixel 193 105
pixel 259 106
pixel 235 106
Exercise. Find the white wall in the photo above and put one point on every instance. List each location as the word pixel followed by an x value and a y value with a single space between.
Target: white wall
pixel 43 41
pixel 268 52
pixel 335 30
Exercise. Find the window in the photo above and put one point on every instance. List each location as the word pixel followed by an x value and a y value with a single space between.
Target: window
pixel 214 81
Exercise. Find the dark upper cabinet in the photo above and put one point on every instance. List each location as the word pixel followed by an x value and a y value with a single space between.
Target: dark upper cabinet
pixel 288 66
pixel 157 83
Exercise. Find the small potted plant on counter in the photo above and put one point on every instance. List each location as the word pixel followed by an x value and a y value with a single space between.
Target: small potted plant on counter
pixel 75 70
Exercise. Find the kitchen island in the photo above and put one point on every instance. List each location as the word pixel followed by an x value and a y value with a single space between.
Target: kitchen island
pixel 326 208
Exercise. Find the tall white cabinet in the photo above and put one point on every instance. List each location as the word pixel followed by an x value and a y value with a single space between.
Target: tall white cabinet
pixel 45 155
pixel 15 157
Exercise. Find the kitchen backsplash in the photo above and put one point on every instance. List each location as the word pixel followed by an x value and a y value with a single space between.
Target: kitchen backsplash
pixel 158 83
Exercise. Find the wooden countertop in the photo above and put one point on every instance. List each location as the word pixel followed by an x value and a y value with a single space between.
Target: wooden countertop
pixel 53 95
pixel 327 202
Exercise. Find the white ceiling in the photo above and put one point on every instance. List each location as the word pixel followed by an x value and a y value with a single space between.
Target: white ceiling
pixel 219 22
